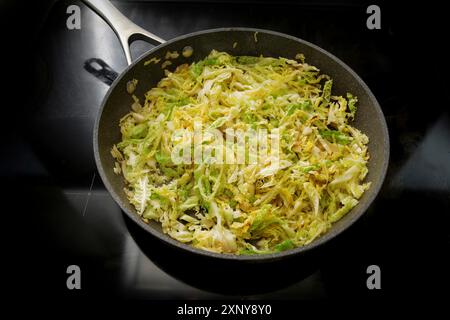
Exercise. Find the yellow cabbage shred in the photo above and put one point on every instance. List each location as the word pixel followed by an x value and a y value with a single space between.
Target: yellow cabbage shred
pixel 249 208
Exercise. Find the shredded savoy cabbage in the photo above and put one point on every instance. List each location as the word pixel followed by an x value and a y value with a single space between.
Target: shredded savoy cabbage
pixel 250 208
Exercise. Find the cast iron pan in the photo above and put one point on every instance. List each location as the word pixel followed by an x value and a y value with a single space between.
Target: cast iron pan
pixel 117 102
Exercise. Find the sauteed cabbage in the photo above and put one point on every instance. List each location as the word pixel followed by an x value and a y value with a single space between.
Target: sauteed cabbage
pixel 244 208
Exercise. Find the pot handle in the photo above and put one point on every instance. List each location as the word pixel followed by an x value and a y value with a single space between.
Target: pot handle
pixel 125 29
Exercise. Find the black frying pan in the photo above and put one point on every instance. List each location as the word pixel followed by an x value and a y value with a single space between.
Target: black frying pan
pixel 252 42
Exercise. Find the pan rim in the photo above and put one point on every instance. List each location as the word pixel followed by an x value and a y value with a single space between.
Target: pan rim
pixel 322 240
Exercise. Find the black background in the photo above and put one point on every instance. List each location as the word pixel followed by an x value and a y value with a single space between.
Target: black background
pixel 406 65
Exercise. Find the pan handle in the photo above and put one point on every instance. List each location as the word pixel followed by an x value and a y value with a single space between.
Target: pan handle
pixel 125 29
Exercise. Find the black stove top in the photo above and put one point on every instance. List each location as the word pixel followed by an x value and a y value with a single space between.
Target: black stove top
pixel 59 201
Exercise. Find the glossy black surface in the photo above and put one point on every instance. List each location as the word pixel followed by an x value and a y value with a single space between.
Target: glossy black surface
pixel 61 214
